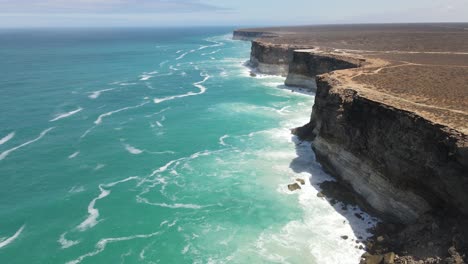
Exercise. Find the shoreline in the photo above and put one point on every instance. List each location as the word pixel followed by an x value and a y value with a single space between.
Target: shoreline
pixel 359 217
pixel 406 212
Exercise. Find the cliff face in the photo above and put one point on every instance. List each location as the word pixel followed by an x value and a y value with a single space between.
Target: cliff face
pixel 401 163
pixel 272 58
pixel 306 65
pixel 250 35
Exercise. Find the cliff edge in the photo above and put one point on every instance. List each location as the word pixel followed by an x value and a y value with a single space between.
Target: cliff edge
pixel 390 120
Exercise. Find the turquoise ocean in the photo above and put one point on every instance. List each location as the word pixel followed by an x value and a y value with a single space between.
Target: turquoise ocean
pixel 156 146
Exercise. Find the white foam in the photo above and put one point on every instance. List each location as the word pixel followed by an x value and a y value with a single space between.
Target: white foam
pixel 7 138
pixel 221 140
pixel 76 189
pixel 173 68
pixel 179 51
pixel 101 245
pixel 185 54
pixel 64 115
pixel 127 84
pixel 96 94
pixel 159 124
pixel 65 243
pixel 9 240
pixel 211 53
pixel 74 155
pixel 7 152
pixel 99 119
pixel 99 166
pixel 133 150
pixel 93 213
pixel 172 206
pixel 197 84
pixel 145 77
pixel 186 249
pixel 163 63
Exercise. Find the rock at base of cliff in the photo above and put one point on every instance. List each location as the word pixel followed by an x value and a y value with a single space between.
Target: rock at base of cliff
pixel 293 187
pixel 301 181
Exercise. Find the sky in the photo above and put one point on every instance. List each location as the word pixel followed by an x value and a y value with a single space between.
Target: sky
pixel 188 13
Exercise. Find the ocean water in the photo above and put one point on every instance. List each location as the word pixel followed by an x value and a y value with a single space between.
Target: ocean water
pixel 156 146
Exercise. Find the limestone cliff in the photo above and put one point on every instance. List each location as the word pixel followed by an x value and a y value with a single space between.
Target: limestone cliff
pixel 250 35
pixel 401 163
pixel 390 123
pixel 306 65
pixel 272 59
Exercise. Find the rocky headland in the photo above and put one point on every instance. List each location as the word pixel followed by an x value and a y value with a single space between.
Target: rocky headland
pixel 390 122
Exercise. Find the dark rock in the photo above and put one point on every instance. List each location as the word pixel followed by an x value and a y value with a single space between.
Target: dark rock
pixel 374 259
pixel 389 258
pixel 320 195
pixel 344 237
pixel 253 74
pixel 301 181
pixel 294 187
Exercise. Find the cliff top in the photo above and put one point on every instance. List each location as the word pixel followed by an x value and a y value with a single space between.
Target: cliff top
pixel 422 68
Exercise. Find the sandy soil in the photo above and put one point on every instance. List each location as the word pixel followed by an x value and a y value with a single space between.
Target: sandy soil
pixel 422 68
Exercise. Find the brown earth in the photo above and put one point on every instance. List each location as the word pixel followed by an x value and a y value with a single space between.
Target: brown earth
pixel 421 68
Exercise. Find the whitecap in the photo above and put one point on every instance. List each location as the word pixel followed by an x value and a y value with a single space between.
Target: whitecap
pixel 76 189
pixel 74 155
pixel 163 63
pixel 96 94
pixel 64 115
pixel 99 119
pixel 7 152
pixel 211 53
pixel 99 166
pixel 185 54
pixel 101 245
pixel 159 124
pixel 221 140
pixel 186 249
pixel 133 150
pixel 65 243
pixel 145 77
pixel 93 213
pixel 127 84
pixel 196 84
pixel 172 206
pixel 7 138
pixel 9 240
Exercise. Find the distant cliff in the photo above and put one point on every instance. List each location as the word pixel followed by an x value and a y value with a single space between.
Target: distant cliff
pixel 272 58
pixel 251 35
pixel 306 65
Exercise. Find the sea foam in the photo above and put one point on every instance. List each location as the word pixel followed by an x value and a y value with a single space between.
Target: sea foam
pixel 9 240
pixel 93 213
pixel 4 154
pixel 133 150
pixel 196 84
pixel 7 138
pixel 96 94
pixel 65 115
pixel 101 117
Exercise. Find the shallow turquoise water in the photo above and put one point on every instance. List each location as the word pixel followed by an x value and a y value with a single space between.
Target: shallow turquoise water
pixel 155 146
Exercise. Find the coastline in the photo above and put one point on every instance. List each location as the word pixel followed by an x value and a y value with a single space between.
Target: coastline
pixel 406 209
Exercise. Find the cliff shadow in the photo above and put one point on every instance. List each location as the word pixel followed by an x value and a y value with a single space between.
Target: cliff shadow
pixel 340 197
